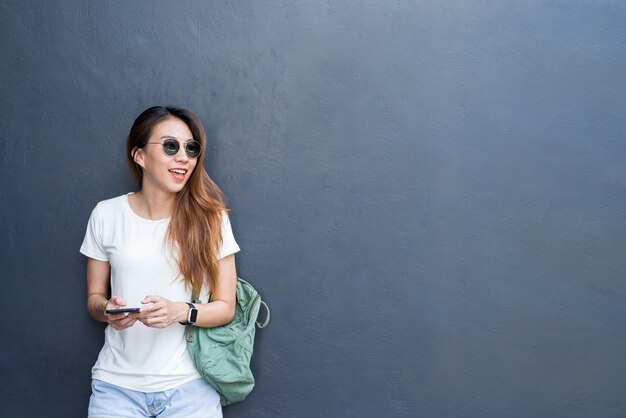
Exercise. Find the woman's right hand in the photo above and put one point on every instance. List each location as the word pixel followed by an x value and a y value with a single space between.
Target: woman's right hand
pixel 122 320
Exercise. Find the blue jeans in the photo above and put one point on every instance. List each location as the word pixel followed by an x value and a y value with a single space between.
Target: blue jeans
pixel 196 399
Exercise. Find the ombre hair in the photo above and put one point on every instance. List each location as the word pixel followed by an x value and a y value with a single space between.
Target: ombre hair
pixel 194 232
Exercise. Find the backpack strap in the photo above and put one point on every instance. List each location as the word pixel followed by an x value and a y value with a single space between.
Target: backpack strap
pixel 267 316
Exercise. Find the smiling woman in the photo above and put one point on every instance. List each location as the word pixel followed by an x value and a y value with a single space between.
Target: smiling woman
pixel 166 170
pixel 150 250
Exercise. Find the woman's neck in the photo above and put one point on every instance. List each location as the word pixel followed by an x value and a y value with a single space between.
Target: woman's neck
pixel 152 205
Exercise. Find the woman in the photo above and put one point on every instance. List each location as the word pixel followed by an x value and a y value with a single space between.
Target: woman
pixel 153 248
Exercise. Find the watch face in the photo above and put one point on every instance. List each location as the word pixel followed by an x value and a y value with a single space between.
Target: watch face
pixel 193 313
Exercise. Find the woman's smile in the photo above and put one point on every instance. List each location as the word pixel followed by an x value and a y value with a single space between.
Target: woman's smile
pixel 178 173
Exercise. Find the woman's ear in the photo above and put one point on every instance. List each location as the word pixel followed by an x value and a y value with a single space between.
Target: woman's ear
pixel 137 154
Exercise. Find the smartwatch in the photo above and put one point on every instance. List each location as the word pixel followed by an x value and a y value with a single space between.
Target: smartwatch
pixel 192 315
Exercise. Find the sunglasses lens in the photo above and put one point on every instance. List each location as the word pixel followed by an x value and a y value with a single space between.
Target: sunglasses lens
pixel 170 146
pixel 193 149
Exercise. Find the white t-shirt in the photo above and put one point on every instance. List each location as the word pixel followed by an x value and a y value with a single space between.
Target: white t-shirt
pixel 142 358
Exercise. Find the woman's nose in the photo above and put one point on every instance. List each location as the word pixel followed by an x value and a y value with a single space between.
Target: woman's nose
pixel 181 155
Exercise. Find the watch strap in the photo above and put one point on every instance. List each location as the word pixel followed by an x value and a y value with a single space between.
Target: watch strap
pixel 192 314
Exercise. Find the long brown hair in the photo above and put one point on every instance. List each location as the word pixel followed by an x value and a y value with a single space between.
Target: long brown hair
pixel 194 232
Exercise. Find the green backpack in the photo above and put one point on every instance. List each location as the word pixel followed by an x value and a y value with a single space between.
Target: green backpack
pixel 222 354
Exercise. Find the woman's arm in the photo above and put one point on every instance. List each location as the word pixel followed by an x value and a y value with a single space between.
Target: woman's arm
pixel 98 273
pixel 220 311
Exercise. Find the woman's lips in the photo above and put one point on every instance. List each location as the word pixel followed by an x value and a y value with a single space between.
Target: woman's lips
pixel 178 173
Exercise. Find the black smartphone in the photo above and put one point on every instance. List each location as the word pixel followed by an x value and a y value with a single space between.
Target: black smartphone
pixel 121 310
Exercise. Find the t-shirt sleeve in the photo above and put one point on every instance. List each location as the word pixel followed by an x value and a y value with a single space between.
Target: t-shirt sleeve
pixel 92 244
pixel 229 245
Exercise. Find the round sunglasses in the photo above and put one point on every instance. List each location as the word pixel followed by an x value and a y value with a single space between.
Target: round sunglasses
pixel 171 147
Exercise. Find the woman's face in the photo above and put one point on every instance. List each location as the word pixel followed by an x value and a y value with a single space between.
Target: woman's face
pixel 162 172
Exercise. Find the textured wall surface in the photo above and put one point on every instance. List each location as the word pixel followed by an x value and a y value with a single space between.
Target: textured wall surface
pixel 429 194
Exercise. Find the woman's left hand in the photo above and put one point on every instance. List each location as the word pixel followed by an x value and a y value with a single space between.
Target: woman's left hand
pixel 161 312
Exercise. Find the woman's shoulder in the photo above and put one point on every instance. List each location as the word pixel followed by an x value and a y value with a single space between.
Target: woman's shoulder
pixel 113 204
pixel 224 217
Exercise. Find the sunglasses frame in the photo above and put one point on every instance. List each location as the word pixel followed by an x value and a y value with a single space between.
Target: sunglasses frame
pixel 178 143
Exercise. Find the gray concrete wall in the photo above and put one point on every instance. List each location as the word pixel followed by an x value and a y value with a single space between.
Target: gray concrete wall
pixel 429 194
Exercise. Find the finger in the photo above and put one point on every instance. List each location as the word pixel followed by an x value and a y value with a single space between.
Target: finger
pixel 116 317
pixel 152 306
pixel 151 299
pixel 151 319
pixel 154 321
pixel 126 322
pixel 119 317
pixel 149 310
